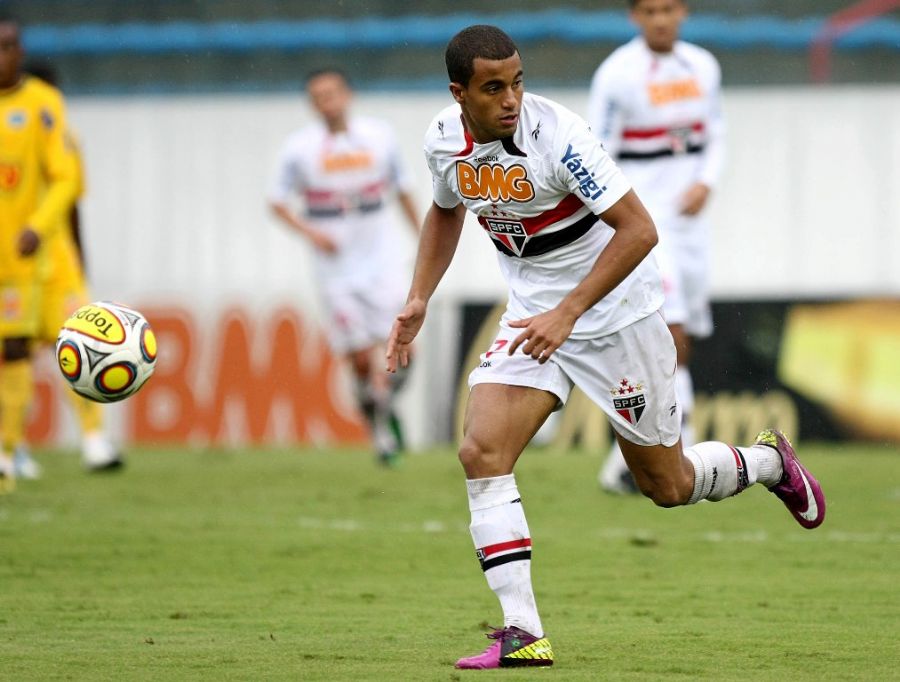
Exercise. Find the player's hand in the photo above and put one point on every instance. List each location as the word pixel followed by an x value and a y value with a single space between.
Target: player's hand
pixel 406 326
pixel 29 241
pixel 694 199
pixel 542 334
pixel 323 242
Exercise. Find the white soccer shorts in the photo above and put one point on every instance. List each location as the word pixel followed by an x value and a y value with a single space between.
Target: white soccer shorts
pixel 683 259
pixel 362 316
pixel 630 374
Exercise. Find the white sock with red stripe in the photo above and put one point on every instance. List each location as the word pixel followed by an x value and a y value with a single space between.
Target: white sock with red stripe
pixel 721 470
pixel 503 546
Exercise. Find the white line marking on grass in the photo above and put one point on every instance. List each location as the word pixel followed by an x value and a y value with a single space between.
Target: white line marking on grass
pixel 640 535
pixel 428 527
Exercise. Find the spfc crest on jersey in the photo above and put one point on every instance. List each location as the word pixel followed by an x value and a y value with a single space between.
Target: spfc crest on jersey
pixel 510 233
pixel 628 400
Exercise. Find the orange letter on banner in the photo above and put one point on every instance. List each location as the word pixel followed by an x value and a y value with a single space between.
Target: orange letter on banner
pixel 297 370
pixel 164 410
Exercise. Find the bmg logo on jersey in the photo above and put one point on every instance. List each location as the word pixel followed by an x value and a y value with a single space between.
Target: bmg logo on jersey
pixel 493 182
pixel 586 183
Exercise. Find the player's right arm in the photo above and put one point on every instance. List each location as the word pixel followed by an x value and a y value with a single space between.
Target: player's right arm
pixel 437 245
pixel 318 239
pixel 61 173
pixel 288 181
pixel 606 110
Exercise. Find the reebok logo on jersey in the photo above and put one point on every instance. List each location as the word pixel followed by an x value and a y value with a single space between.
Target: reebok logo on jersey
pixel 585 178
pixel 493 182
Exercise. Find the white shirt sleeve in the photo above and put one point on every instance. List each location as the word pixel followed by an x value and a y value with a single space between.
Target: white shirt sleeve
pixel 398 174
pixel 585 168
pixel 443 193
pixel 606 109
pixel 288 179
pixel 714 153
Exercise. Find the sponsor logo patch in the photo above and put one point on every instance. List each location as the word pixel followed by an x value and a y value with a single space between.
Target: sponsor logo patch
pixel 583 175
pixel 10 175
pixel 16 119
pixel 494 182
pixel 510 233
pixel 628 400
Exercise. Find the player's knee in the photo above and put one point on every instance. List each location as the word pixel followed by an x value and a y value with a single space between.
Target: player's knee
pixel 665 493
pixel 470 453
pixel 478 461
pixel 361 364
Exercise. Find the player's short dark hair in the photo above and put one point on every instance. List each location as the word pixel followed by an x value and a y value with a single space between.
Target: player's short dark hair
pixel 7 17
pixel 475 42
pixel 327 71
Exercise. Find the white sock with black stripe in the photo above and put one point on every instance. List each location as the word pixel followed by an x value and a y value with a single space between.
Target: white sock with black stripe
pixel 721 470
pixel 503 545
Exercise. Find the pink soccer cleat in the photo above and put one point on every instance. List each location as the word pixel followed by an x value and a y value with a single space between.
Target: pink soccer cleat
pixel 800 492
pixel 512 647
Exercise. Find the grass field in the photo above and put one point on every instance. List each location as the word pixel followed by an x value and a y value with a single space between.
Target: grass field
pixel 267 565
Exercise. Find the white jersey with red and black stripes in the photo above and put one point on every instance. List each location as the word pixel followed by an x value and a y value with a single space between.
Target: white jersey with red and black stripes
pixel 537 196
pixel 659 116
pixel 344 181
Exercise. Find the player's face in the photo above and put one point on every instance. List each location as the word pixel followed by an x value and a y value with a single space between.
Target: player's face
pixel 330 96
pixel 10 54
pixel 493 98
pixel 659 21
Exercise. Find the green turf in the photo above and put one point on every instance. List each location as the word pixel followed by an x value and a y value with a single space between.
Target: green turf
pixel 252 565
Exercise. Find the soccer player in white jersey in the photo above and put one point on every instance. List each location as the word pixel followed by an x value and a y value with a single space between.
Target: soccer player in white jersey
pixel 345 169
pixel 573 240
pixel 654 104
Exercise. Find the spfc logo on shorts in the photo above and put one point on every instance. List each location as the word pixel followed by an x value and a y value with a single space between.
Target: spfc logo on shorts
pixel 628 400
pixel 510 233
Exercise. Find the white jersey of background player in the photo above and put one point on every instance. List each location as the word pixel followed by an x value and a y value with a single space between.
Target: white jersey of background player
pixel 654 103
pixel 344 170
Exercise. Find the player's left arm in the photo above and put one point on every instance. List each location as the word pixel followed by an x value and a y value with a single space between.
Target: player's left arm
pixel 697 195
pixel 408 205
pixel 634 238
pixel 402 181
pixel 59 166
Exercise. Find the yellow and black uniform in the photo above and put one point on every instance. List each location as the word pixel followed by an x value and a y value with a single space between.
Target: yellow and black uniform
pixel 63 290
pixel 38 187
pixel 63 283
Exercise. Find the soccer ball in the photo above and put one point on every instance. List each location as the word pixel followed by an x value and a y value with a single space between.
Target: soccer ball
pixel 106 351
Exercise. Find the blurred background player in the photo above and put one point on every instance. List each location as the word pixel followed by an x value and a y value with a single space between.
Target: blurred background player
pixel 40 181
pixel 344 168
pixel 38 184
pixel 654 103
pixel 64 291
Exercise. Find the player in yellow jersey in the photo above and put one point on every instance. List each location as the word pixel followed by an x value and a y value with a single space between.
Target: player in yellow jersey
pixel 64 290
pixel 39 183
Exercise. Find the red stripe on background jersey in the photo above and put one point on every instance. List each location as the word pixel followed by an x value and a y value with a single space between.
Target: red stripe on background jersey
pixel 569 206
pixel 503 546
pixel 647 133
